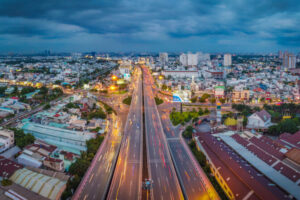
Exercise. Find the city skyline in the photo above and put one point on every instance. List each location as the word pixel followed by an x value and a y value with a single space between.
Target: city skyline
pixel 152 26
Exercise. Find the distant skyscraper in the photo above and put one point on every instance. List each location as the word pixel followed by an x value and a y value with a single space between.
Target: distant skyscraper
pixel 163 58
pixel 227 60
pixel 289 60
pixel 192 59
pixel 189 59
pixel 280 54
pixel 203 56
pixel 183 59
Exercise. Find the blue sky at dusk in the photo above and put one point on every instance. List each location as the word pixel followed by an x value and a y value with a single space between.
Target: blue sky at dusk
pixel 28 26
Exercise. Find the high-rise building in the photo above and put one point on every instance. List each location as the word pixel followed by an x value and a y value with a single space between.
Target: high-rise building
pixel 280 54
pixel 192 59
pixel 227 60
pixel 203 56
pixel 183 58
pixel 289 60
pixel 188 59
pixel 163 58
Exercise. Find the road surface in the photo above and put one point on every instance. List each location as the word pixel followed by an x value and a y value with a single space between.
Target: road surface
pixel 160 166
pixel 95 184
pixel 127 179
pixel 193 180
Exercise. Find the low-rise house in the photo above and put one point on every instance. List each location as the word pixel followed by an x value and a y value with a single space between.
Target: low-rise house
pixel 259 120
pixel 7 167
pixel 6 139
pixel 54 163
pixel 240 95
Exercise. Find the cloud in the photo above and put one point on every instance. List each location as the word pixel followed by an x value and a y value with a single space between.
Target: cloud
pixel 152 24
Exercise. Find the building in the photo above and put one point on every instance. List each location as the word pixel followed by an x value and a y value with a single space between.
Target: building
pixel 203 56
pixel 280 54
pixel 163 58
pixel 219 91
pixel 238 179
pixel 183 59
pixel 69 140
pixel 263 154
pixel 259 120
pixel 8 167
pixel 227 60
pixel 289 61
pixel 54 164
pixel 6 139
pixel 46 186
pixel 189 59
pixel 240 95
pixel 180 73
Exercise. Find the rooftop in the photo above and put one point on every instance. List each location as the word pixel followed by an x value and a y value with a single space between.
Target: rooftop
pixel 8 167
pixel 244 173
pixel 263 163
pixel 45 186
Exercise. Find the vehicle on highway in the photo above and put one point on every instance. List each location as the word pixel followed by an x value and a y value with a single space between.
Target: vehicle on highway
pixel 147 184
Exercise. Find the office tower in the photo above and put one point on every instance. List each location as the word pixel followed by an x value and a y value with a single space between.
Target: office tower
pixel 289 60
pixel 227 60
pixel 163 58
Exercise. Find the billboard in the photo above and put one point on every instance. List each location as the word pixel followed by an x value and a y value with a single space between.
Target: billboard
pixel 126 76
pixel 181 96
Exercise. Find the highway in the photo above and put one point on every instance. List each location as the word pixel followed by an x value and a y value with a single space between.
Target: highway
pixel 160 166
pixel 127 178
pixel 193 180
pixel 96 181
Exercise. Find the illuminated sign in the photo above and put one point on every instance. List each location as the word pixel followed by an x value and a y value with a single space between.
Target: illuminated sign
pixel 181 96
pixel 126 76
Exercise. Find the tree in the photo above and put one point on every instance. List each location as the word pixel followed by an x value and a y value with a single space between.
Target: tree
pixel 15 91
pixel 204 97
pixel 79 167
pixel 212 100
pixel 206 111
pixel 158 101
pixel 2 90
pixel 22 139
pixel 194 99
pixel 127 100
pixel 43 90
pixel 188 132
pixel 57 82
pixel 222 100
pixel 164 87
pixel 47 106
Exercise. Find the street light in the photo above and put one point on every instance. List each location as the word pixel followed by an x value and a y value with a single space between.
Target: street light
pixel 112 87
pixel 114 77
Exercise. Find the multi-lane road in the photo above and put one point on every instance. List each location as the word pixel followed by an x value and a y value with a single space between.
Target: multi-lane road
pixel 160 166
pixel 193 180
pixel 127 179
pixel 116 171
pixel 95 183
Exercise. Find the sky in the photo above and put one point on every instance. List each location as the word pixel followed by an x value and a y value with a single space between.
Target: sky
pixel 236 26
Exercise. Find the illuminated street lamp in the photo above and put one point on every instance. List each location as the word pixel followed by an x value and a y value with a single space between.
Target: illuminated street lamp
pixel 161 77
pixel 114 77
pixel 112 87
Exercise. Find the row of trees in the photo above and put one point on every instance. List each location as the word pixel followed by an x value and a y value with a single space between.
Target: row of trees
pixel 206 97
pixel 285 126
pixel 188 132
pixel 201 158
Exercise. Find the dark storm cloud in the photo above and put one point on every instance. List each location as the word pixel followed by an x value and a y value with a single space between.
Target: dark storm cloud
pixel 130 22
